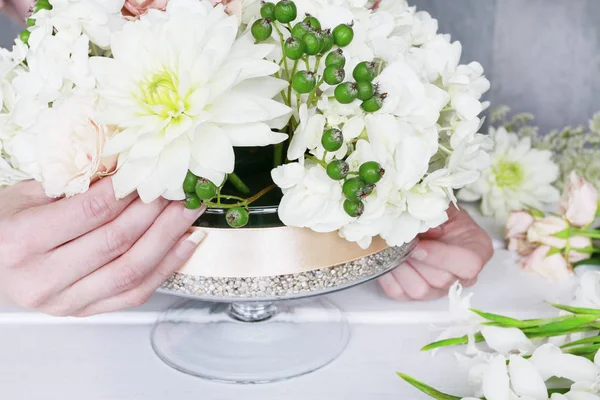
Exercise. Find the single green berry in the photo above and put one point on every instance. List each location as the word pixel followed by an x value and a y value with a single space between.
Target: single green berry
pixel 312 22
pixel 334 75
pixel 268 11
pixel 262 29
pixel 346 93
pixel 364 72
pixel 192 201
pixel 354 189
pixel 237 217
pixel 371 172
pixel 367 190
pixel 304 82
pixel 205 189
pixel 24 36
pixel 343 35
pixel 338 170
pixel 42 5
pixel 366 90
pixel 374 103
pixel 312 42
pixel 327 41
pixel 300 29
pixel 332 140
pixel 286 11
pixel 336 58
pixel 354 208
pixel 294 48
pixel 30 22
pixel 190 182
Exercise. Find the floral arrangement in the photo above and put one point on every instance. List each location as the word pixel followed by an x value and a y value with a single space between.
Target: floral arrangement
pixel 540 359
pixel 529 168
pixel 368 119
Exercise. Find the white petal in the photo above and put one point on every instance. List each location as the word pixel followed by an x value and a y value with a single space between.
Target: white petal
pixel 249 135
pixel 131 174
pixel 151 188
pixel 496 385
pixel 173 163
pixel 505 340
pixel 233 108
pixel 212 149
pixel 120 142
pixel 551 362
pixel 288 175
pixel 525 379
pixel 216 177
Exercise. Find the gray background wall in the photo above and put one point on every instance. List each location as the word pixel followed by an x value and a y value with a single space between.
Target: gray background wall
pixel 542 56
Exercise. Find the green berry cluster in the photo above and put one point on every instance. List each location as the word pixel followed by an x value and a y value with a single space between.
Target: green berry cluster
pixel 358 186
pixel 362 88
pixel 199 190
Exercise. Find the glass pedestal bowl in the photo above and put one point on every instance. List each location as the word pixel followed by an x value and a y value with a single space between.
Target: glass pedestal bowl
pixel 254 311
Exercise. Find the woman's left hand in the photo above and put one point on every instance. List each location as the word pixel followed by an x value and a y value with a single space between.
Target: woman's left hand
pixel 456 251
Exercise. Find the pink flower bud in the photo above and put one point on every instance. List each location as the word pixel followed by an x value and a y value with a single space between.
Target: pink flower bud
pixel 517 226
pixel 136 8
pixel 543 230
pixel 579 203
pixel 555 268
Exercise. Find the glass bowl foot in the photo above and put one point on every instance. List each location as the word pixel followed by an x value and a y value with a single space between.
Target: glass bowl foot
pixel 250 343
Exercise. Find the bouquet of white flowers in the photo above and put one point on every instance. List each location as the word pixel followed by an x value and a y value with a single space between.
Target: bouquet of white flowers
pixel 359 111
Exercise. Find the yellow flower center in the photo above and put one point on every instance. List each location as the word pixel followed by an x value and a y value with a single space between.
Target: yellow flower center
pixel 508 174
pixel 159 94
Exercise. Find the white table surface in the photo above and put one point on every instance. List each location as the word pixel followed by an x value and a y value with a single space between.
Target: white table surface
pixel 109 357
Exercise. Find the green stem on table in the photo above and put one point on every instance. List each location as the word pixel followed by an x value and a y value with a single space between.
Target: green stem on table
pixel 570 232
pixel 577 310
pixel 428 390
pixel 590 340
pixel 238 183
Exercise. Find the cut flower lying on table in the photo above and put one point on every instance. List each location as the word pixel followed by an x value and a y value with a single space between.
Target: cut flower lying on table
pixel 551 245
pixel 524 359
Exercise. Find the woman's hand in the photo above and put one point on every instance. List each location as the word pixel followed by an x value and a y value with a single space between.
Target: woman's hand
pixel 90 253
pixel 16 9
pixel 456 251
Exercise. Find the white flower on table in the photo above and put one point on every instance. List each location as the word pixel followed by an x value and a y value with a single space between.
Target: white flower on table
pixel 184 90
pixel 520 177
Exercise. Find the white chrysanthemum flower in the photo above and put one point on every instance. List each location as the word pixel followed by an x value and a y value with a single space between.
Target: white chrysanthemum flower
pixel 184 91
pixel 519 177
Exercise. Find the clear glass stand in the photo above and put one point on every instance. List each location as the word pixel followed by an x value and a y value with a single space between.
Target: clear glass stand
pixel 250 342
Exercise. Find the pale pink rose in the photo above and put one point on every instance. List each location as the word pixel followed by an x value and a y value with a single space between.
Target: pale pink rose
pixel 135 8
pixel 554 268
pixel 69 146
pixel 517 226
pixel 232 7
pixel 579 203
pixel 542 231
pixel 579 242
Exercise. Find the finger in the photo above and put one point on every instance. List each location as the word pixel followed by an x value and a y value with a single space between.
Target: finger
pixel 457 260
pixel 435 277
pixel 172 263
pixel 128 271
pixel 68 219
pixel 75 260
pixel 469 283
pixel 391 287
pixel 433 234
pixel 414 285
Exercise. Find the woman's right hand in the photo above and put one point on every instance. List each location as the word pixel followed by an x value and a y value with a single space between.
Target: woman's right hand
pixel 90 253
pixel 16 9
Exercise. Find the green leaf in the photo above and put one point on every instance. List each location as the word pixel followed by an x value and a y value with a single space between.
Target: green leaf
pixel 558 390
pixel 452 342
pixel 577 310
pixel 590 340
pixel 572 323
pixel 428 390
pixel 501 320
pixel 589 261
pixel 583 350
pixel 536 213
pixel 523 324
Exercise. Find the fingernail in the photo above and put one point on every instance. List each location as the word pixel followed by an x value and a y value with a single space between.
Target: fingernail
pixel 193 214
pixel 419 255
pixel 190 244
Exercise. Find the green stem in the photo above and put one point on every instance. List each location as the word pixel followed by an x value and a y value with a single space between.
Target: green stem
pixel 315 159
pixel 238 183
pixel 281 38
pixel 244 202
pixel 294 69
pixel 278 155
